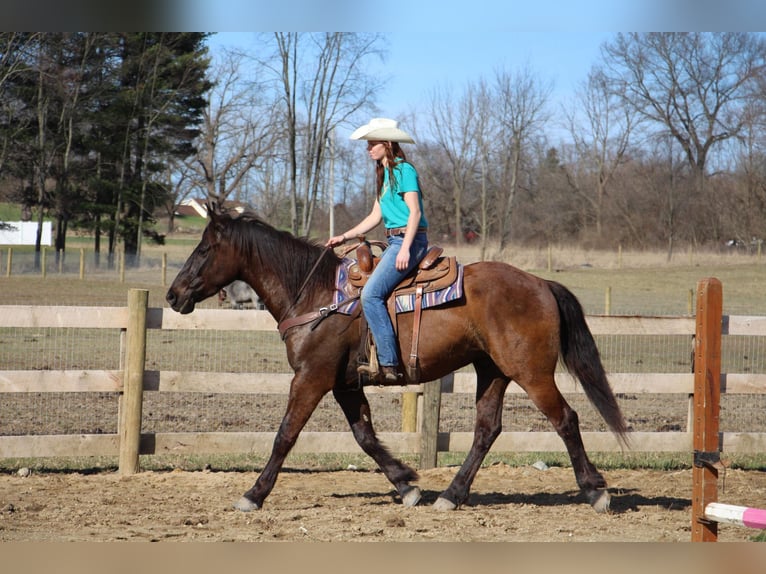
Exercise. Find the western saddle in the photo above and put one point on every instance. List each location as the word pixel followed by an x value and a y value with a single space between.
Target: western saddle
pixel 434 272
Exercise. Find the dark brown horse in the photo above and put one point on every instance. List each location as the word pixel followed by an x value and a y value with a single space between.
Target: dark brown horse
pixel 509 324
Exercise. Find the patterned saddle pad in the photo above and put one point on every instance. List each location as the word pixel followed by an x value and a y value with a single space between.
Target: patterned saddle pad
pixel 405 302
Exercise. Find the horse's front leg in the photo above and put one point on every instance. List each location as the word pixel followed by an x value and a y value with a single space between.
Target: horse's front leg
pixel 357 410
pixel 304 398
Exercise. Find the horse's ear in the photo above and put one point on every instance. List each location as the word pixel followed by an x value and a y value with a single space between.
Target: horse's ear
pixel 213 210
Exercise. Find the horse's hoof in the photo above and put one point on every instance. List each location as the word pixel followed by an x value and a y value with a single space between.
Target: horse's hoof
pixel 444 504
pixel 411 496
pixel 246 505
pixel 600 500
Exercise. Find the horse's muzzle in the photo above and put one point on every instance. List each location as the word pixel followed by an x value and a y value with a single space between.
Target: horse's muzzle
pixel 182 306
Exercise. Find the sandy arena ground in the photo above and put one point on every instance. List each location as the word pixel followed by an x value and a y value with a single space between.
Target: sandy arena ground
pixel 506 504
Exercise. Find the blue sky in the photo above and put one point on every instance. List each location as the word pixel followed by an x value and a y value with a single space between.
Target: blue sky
pixel 435 43
pixel 418 64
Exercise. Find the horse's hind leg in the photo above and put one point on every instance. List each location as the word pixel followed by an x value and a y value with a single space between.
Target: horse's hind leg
pixel 357 410
pixel 548 399
pixel 490 389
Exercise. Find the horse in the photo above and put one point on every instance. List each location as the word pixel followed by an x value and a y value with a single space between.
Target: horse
pixel 238 294
pixel 509 324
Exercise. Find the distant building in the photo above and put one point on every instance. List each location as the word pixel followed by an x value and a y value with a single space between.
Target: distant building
pixel 191 208
pixel 196 207
pixel 25 233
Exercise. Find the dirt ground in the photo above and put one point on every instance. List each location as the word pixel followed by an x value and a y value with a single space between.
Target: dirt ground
pixel 506 504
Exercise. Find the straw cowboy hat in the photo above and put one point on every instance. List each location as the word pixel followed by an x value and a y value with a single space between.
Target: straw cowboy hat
pixel 382 129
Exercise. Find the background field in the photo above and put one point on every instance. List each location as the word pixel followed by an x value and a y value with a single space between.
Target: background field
pixel 638 282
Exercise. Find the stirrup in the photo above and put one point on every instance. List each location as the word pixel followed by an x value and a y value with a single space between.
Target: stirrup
pixel 368 372
pixel 390 375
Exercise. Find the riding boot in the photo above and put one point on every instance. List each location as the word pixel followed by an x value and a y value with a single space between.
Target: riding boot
pixel 389 374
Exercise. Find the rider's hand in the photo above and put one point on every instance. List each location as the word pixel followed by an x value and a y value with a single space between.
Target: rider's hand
pixel 403 259
pixel 336 240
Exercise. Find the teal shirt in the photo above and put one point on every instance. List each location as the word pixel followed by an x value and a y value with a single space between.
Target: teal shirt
pixel 392 205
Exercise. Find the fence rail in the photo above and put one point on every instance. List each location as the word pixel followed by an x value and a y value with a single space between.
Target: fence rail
pixel 132 380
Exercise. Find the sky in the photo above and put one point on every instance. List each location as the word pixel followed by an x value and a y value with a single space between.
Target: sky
pixel 433 42
pixel 449 44
pixel 416 65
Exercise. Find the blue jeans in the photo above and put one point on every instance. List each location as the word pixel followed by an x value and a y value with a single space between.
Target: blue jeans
pixel 377 289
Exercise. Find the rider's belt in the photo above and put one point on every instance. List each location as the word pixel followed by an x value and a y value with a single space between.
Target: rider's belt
pixel 400 230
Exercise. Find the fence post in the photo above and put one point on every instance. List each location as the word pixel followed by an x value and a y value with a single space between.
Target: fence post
pixel 9 262
pixel 133 382
pixel 429 431
pixel 409 411
pixel 164 269
pixel 707 398
pixel 82 263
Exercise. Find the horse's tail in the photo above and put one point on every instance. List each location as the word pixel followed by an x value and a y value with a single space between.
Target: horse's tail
pixel 582 359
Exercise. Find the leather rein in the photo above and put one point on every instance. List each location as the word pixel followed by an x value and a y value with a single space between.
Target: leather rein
pixel 315 317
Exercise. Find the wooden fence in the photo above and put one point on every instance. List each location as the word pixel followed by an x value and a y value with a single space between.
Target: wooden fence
pixel 132 380
pixel 44 266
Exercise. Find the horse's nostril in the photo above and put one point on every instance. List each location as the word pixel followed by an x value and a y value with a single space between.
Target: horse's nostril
pixel 170 297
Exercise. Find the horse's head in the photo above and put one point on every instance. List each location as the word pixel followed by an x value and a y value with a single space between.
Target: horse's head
pixel 212 265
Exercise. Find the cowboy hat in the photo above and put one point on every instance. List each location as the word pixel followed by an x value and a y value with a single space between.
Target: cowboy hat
pixel 382 129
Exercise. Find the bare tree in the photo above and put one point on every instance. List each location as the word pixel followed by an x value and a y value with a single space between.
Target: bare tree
pixel 750 166
pixel 325 75
pixel 16 49
pixel 178 183
pixel 239 129
pixel 485 147
pixel 695 85
pixel 600 126
pixel 456 131
pixel 520 113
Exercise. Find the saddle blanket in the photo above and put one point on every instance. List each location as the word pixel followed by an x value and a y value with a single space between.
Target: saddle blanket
pixel 404 302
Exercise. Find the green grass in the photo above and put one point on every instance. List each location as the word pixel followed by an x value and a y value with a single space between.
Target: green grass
pixel 10 212
pixel 665 289
pixel 341 461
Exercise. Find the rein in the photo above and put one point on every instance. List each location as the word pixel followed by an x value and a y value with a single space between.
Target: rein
pixel 284 325
pixel 306 280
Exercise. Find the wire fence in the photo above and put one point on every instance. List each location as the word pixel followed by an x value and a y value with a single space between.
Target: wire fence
pixel 83 281
pixel 263 352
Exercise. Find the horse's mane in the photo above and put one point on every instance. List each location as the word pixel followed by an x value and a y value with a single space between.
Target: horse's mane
pixel 288 257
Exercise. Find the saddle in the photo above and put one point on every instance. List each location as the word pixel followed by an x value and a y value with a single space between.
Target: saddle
pixel 433 273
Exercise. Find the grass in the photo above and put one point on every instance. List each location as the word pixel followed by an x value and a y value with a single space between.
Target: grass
pixel 626 282
pixel 10 212
pixel 341 461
